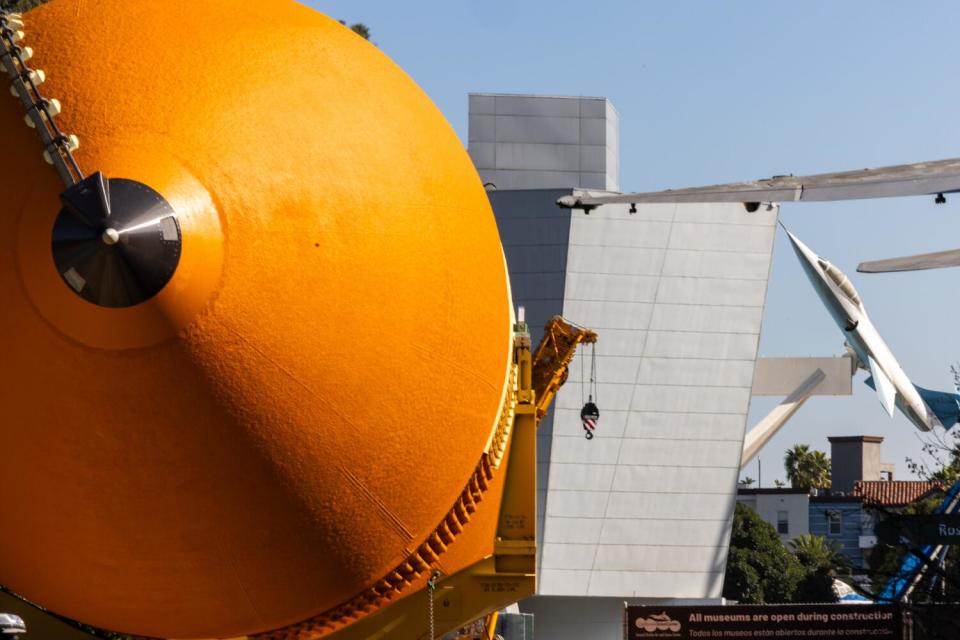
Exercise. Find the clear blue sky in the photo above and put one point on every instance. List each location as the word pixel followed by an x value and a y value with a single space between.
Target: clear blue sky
pixel 720 91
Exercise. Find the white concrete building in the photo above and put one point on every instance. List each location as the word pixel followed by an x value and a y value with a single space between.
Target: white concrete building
pixel 788 510
pixel 643 511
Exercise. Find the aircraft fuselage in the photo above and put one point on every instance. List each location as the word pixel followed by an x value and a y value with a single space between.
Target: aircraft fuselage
pixel 845 307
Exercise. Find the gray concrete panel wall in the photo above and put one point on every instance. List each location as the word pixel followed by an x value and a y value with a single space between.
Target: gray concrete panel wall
pixel 676 293
pixel 535 142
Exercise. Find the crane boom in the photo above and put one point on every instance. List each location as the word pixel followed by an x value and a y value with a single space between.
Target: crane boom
pixel 551 362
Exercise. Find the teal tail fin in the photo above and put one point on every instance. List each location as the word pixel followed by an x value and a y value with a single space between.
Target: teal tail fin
pixel 945 405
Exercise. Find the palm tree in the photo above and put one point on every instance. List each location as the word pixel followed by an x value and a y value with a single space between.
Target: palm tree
pixel 817 554
pixel 807 469
pixel 791 462
pixel 817 470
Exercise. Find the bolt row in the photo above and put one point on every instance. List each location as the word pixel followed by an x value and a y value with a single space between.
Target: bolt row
pixel 24 82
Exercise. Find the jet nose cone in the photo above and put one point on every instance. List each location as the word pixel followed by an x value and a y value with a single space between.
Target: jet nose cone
pixel 803 252
pixel 798 246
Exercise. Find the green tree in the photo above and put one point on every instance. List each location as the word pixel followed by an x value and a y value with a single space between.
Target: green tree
pixel 361 30
pixel 821 562
pixel 358 28
pixel 759 568
pixel 807 469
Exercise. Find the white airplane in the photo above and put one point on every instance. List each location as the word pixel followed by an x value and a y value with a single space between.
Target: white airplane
pixel 924 408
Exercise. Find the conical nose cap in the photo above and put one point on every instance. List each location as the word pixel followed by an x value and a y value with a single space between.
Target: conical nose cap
pixel 116 242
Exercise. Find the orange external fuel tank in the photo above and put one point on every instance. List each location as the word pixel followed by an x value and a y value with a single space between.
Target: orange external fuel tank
pixel 299 408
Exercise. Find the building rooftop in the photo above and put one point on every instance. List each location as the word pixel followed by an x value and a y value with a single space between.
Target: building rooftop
pixel 895 493
pixel 769 491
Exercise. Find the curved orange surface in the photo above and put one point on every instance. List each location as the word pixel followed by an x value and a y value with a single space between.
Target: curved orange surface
pixel 300 406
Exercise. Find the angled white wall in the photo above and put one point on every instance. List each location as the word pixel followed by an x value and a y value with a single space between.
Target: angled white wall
pixel 676 293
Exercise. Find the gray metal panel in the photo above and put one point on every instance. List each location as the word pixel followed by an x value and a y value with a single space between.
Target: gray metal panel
pixel 593 131
pixel 480 104
pixel 541 157
pixel 483 154
pixel 520 105
pixel 545 141
pixel 482 128
pixel 613 169
pixel 593 180
pixel 510 179
pixel 487 175
pixel 593 158
pixel 593 107
pixel 554 130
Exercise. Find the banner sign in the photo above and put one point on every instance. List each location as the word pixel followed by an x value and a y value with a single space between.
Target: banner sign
pixel 934 528
pixel 775 621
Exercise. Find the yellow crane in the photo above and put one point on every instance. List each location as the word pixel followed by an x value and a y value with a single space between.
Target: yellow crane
pixel 551 362
pixel 548 370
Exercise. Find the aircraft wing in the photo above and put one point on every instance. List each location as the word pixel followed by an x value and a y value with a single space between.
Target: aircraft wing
pixel 938 260
pixel 884 388
pixel 922 178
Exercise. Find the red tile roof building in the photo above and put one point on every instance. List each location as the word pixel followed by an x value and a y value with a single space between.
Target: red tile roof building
pixel 893 493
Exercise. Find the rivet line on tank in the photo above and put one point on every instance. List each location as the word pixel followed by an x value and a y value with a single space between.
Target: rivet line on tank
pixel 58 147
